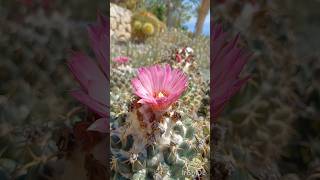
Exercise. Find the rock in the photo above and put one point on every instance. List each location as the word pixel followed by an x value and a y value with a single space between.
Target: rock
pixel 113 24
pixel 128 28
pixel 120 23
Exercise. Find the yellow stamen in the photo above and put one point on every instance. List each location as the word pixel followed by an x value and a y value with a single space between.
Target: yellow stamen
pixel 160 95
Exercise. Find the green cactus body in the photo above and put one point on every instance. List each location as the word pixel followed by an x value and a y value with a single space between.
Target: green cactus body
pixel 120 88
pixel 153 145
pixel 170 145
pixel 159 145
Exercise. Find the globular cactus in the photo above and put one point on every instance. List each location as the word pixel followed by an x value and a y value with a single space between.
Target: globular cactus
pixel 120 91
pixel 159 141
pixel 144 25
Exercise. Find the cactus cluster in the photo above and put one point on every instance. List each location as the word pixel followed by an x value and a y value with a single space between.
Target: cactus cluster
pixel 144 25
pixel 174 144
pixel 120 82
pixel 176 148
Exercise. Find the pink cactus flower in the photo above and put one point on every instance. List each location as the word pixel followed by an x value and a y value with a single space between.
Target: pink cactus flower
pixel 227 61
pixel 121 59
pixel 92 76
pixel 159 86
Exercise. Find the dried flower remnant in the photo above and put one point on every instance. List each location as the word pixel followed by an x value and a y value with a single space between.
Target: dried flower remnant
pixel 227 61
pixel 184 54
pixel 92 76
pixel 159 86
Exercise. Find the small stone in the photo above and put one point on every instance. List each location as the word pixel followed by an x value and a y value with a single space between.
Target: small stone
pixel 128 28
pixel 113 24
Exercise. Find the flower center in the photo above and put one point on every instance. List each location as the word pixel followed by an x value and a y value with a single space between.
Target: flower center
pixel 160 95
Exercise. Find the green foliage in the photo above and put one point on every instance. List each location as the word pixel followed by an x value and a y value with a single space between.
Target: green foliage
pixel 159 11
pixel 180 11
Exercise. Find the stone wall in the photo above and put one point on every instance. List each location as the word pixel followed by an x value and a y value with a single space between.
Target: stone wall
pixel 120 19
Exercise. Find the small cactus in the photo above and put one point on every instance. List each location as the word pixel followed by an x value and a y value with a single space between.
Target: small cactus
pixel 148 29
pixel 145 25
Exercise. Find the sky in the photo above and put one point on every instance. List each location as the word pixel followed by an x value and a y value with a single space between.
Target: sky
pixel 206 26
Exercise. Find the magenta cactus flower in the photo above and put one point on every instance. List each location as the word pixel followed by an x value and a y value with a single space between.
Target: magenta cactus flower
pixel 227 61
pixel 159 86
pixel 121 59
pixel 93 76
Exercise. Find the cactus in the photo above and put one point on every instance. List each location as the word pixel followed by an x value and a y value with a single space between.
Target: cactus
pixel 144 25
pixel 151 144
pixel 120 82
pixel 184 58
pixel 183 153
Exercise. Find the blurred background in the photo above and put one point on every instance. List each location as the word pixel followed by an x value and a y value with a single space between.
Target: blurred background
pixel 36 39
pixel 270 130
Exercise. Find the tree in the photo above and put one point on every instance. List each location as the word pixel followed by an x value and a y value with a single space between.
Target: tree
pixel 202 13
pixel 176 12
pixel 170 13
